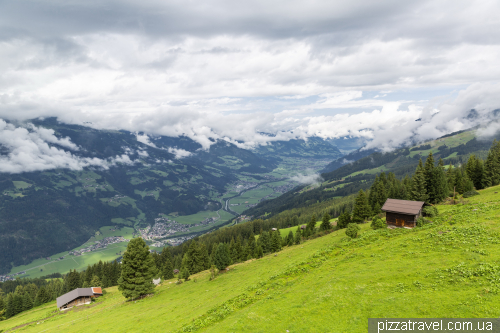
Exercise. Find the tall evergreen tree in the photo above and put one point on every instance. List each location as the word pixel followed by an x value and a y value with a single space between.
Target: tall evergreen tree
pixel 325 223
pixel 298 236
pixel 222 258
pixel 491 175
pixel 95 282
pixel 419 187
pixel 42 297
pixel 343 220
pixel 430 182
pixel 27 302
pixel 168 270
pixel 265 240
pixel 73 280
pixel 138 270
pixel 361 210
pixel 311 225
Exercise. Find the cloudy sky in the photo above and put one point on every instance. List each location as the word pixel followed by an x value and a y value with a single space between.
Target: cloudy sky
pixel 235 69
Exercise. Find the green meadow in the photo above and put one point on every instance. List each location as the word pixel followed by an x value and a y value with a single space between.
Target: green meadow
pixel 448 268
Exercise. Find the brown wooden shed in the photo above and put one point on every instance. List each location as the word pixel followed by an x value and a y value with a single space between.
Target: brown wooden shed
pixel 78 296
pixel 402 213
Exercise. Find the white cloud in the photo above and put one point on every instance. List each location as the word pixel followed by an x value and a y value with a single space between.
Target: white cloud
pixel 308 179
pixel 28 149
pixel 179 153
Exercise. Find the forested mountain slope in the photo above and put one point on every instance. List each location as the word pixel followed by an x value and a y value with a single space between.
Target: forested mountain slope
pixel 47 212
pixel 359 174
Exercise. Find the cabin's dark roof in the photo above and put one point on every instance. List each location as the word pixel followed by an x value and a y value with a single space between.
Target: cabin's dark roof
pixel 75 293
pixel 402 206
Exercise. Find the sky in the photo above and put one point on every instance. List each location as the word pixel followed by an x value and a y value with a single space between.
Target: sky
pixel 240 70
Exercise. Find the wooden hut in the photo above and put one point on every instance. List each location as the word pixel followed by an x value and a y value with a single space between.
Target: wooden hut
pixel 78 296
pixel 402 213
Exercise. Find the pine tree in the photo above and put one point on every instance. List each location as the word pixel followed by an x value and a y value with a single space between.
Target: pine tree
pixel 419 188
pixel 289 238
pixel 222 258
pixel 9 306
pixel 430 182
pixel 265 240
pixel 275 241
pixel 138 270
pixel 42 297
pixel 325 223
pixel 27 302
pixel 73 280
pixel 311 225
pixel 298 236
pixel 361 210
pixel 343 220
pixel 258 252
pixel 185 274
pixel 251 246
pixel 168 270
pixel 106 281
pixel 440 185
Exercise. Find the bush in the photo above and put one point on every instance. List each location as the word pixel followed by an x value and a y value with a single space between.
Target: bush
pixel 430 211
pixel 421 222
pixel 469 194
pixel 352 230
pixel 378 223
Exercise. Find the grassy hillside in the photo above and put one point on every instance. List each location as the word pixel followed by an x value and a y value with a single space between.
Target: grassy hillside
pixel 446 269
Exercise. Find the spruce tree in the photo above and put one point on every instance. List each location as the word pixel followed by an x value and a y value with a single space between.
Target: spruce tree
pixel 138 270
pixel 311 225
pixel 298 236
pixel 325 223
pixel 258 252
pixel 361 210
pixel 73 280
pixel 27 302
pixel 289 238
pixel 222 258
pixel 9 306
pixel 265 240
pixel 42 297
pixel 343 220
pixel 168 270
pixel 419 188
pixel 430 182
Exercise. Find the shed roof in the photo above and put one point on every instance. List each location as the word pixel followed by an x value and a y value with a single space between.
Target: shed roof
pixel 75 293
pixel 402 206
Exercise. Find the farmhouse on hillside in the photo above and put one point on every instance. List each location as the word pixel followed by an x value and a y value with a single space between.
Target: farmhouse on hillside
pixel 78 296
pixel 402 213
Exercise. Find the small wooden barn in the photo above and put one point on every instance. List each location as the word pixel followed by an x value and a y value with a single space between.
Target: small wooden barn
pixel 402 213
pixel 78 296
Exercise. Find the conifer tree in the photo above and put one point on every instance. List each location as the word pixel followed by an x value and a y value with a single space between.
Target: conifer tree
pixel 95 282
pixel 311 225
pixel 168 270
pixel 138 270
pixel 298 236
pixel 41 297
pixel 325 223
pixel 185 274
pixel 73 280
pixel 27 302
pixel 265 240
pixel 419 188
pixel 222 258
pixel 361 210
pixel 258 252
pixel 289 238
pixel 430 182
pixel 251 245
pixel 9 306
pixel 492 166
pixel 275 241
pixel 343 220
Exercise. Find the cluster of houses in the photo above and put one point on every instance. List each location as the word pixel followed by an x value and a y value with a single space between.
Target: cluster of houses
pixel 100 244
pixel 115 198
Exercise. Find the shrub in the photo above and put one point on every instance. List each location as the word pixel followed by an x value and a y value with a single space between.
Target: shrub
pixel 469 194
pixel 378 223
pixel 430 211
pixel 421 222
pixel 352 230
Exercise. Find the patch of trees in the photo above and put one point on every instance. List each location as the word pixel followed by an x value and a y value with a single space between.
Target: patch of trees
pixel 23 294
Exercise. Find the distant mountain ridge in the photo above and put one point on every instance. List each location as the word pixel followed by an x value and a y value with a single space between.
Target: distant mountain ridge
pixel 47 212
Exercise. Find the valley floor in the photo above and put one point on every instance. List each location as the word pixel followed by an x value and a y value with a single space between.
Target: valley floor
pixel 449 268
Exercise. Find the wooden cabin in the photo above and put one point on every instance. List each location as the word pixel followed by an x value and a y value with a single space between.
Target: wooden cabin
pixel 78 296
pixel 402 213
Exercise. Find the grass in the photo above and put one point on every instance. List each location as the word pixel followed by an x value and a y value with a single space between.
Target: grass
pixel 193 218
pixel 20 184
pixel 330 284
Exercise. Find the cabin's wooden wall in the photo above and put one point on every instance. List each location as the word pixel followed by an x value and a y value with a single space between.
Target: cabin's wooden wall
pixel 403 219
